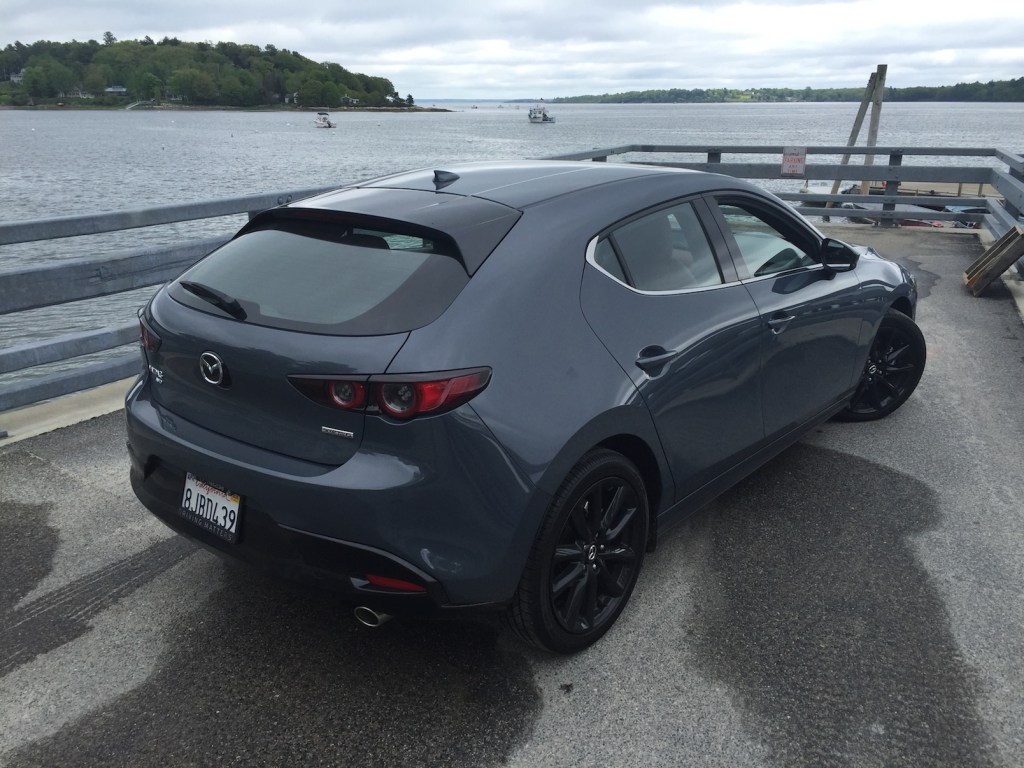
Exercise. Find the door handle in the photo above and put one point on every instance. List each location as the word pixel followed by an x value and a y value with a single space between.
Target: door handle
pixel 779 322
pixel 651 359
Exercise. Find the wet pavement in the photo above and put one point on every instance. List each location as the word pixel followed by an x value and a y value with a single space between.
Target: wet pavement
pixel 857 602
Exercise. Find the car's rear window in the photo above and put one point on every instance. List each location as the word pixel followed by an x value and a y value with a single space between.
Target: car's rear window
pixel 328 277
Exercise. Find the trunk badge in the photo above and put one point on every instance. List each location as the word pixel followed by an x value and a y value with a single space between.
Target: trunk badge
pixel 212 368
pixel 338 432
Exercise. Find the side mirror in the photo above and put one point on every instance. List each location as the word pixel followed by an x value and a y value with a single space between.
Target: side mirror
pixel 837 256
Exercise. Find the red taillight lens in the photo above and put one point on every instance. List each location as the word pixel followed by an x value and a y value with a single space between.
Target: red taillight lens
pixel 405 399
pixel 398 396
pixel 147 337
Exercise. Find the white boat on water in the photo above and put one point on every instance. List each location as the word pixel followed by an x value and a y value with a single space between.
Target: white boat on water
pixel 540 115
pixel 323 120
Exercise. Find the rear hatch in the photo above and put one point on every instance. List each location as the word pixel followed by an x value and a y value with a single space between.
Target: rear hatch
pixel 249 341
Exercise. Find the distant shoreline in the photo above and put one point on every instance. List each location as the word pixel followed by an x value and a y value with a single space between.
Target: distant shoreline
pixel 192 108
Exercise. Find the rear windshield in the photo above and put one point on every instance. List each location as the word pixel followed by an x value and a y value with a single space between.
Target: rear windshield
pixel 327 277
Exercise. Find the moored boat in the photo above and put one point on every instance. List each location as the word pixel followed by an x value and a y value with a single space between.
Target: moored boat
pixel 540 114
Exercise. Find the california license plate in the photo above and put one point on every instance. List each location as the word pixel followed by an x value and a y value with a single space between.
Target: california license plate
pixel 211 508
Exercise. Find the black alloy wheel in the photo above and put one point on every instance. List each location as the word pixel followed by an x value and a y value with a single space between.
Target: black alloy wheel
pixel 892 372
pixel 587 558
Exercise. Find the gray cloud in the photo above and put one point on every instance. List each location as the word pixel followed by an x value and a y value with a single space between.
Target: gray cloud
pixel 527 48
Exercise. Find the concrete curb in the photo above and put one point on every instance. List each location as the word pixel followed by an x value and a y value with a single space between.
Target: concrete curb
pixel 23 423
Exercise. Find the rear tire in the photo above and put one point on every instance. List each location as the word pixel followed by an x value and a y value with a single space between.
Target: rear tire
pixel 892 372
pixel 587 556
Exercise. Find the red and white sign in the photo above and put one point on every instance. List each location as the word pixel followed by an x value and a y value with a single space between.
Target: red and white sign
pixel 794 161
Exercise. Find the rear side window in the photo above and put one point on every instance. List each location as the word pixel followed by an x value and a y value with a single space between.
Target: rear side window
pixel 328 277
pixel 663 251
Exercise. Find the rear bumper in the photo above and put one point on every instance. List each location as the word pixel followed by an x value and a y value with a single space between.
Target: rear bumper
pixel 339 566
pixel 456 524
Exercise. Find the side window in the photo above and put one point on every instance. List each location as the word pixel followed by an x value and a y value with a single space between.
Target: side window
pixel 765 249
pixel 664 251
pixel 608 261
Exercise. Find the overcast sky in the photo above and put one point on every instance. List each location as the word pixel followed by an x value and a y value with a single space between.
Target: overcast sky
pixel 481 49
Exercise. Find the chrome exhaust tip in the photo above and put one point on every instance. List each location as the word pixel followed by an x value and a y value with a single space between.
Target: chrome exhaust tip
pixel 370 618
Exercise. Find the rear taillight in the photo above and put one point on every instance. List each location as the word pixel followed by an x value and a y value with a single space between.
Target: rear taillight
pixel 347 394
pixel 397 396
pixel 148 339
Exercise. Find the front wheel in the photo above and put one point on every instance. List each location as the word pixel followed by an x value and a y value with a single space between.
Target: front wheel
pixel 892 372
pixel 587 557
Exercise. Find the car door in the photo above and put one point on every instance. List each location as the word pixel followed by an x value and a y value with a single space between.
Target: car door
pixel 686 332
pixel 810 324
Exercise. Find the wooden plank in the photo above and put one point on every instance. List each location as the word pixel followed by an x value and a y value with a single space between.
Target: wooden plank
pixel 998 258
pixel 858 121
pixel 876 117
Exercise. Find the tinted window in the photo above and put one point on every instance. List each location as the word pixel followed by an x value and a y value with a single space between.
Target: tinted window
pixel 326 278
pixel 608 261
pixel 667 251
pixel 765 245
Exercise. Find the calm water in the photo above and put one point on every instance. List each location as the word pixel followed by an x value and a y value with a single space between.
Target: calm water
pixel 58 163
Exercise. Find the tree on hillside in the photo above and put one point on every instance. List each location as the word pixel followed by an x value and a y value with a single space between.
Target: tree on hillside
pixel 108 38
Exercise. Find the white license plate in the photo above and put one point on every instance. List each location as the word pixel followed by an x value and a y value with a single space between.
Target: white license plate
pixel 211 508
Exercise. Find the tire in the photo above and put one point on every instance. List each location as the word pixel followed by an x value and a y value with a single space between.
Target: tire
pixel 893 369
pixel 587 556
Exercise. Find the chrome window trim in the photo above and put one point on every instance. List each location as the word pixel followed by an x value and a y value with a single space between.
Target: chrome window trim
pixel 592 260
pixel 795 270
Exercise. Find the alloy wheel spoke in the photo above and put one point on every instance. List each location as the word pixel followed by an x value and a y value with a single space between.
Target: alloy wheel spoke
pixel 625 520
pixel 590 606
pixel 567 552
pixel 576 573
pixel 891 388
pixel 609 582
pixel 894 354
pixel 874 396
pixel 579 521
pixel 612 510
pixel 894 369
pixel 620 554
pixel 576 601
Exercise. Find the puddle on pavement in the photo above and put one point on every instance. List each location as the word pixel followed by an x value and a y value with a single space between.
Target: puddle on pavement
pixel 827 630
pixel 266 673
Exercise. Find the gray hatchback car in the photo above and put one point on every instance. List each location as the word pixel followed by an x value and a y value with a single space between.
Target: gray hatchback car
pixel 493 385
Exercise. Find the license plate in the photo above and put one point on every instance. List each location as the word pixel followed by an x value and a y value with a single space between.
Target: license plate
pixel 211 508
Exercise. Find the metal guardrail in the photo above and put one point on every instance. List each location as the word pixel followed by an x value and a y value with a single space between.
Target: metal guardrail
pixel 54 283
pixel 59 282
pixel 1002 210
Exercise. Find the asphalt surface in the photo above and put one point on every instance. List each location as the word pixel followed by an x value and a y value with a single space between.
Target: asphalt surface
pixel 857 602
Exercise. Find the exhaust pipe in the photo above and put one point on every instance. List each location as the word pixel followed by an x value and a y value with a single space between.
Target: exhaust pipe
pixel 370 618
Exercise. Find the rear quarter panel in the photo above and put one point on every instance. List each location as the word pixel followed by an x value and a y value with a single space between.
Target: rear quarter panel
pixel 555 391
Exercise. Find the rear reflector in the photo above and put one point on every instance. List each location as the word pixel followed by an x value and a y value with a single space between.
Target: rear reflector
pixel 398 584
pixel 148 338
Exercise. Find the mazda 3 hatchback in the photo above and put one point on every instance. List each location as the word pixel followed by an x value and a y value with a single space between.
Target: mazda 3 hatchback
pixel 492 385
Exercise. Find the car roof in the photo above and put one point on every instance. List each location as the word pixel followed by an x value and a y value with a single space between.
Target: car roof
pixel 516 184
pixel 478 203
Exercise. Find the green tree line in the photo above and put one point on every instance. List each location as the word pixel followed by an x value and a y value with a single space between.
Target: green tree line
pixel 202 74
pixel 1002 90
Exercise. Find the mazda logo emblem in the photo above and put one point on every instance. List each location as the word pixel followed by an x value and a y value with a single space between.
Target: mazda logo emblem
pixel 212 368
